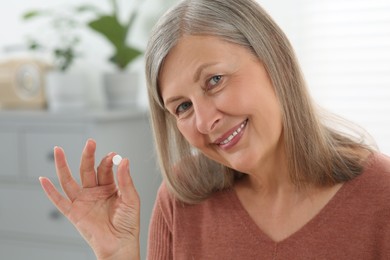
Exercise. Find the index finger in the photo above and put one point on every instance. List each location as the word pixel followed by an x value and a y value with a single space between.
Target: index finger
pixel 105 173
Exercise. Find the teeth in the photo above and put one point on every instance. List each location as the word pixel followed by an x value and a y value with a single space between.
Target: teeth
pixel 238 130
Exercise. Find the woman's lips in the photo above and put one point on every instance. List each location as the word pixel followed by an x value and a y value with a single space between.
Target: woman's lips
pixel 231 137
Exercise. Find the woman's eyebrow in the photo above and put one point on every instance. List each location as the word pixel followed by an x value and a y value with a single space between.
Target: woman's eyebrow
pixel 197 74
pixel 201 68
pixel 171 100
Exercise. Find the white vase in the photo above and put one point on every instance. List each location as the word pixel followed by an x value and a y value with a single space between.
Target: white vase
pixel 65 91
pixel 121 89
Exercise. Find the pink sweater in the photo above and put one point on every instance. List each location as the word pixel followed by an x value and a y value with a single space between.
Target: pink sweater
pixel 355 224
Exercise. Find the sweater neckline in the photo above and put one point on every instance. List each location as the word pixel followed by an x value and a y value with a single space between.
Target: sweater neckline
pixel 313 224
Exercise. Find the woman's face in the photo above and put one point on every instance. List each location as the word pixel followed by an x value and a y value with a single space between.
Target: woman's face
pixel 223 101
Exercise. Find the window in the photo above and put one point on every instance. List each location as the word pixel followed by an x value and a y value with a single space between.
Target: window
pixel 344 50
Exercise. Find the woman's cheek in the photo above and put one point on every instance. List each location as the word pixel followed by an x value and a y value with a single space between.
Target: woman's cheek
pixel 188 129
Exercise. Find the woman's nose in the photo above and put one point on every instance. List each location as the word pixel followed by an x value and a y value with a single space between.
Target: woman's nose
pixel 207 115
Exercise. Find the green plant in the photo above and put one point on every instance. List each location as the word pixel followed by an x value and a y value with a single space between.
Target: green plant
pixel 115 32
pixel 63 48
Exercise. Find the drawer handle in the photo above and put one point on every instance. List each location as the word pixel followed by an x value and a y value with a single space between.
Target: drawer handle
pixel 50 156
pixel 55 214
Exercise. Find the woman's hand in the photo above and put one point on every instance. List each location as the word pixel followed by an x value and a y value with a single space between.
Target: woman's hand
pixel 107 215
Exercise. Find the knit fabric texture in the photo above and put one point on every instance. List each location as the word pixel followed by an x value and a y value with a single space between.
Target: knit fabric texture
pixel 354 224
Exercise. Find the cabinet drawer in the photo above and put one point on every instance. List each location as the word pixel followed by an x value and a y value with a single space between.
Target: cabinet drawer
pixel 17 250
pixel 9 158
pixel 39 152
pixel 28 211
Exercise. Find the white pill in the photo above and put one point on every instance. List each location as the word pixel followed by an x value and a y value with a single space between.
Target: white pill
pixel 117 159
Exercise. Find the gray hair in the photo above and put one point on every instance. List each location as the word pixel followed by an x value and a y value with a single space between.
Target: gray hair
pixel 312 149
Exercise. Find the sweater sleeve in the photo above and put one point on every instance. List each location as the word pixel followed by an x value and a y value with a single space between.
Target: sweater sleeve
pixel 160 235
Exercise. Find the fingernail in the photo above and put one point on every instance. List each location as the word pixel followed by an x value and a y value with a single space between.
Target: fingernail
pixel 56 148
pixel 109 154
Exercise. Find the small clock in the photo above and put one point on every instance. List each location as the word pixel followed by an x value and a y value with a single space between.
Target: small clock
pixel 22 84
pixel 28 81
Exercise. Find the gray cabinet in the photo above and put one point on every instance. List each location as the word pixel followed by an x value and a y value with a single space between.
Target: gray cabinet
pixel 30 226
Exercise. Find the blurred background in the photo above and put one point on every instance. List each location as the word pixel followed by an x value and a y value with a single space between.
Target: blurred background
pixel 59 85
pixel 343 47
pixel 92 50
pixel 344 50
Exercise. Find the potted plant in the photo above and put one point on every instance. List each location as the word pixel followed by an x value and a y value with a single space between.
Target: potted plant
pixel 64 90
pixel 121 87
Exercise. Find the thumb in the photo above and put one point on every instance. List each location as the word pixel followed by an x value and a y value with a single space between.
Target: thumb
pixel 126 185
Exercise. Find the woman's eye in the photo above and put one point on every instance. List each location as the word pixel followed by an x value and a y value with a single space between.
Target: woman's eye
pixel 215 80
pixel 183 107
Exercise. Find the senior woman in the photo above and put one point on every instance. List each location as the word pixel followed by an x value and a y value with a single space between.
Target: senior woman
pixel 251 169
